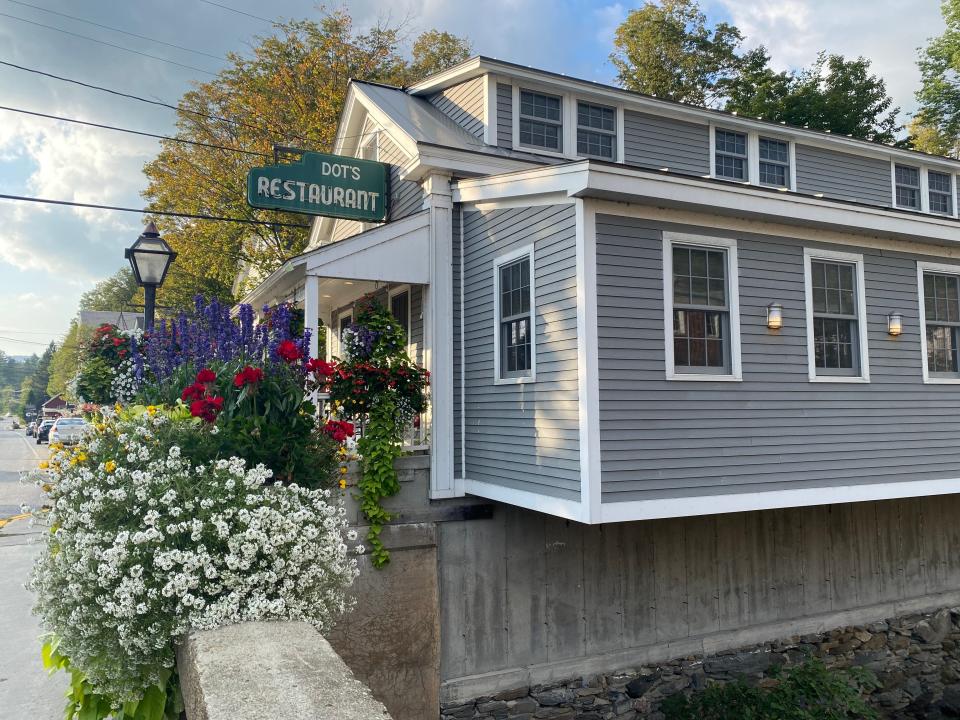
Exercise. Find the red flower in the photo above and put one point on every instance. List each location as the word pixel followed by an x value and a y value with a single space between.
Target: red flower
pixel 195 391
pixel 207 408
pixel 206 376
pixel 320 367
pixel 248 376
pixel 117 341
pixel 122 353
pixel 289 351
pixel 339 430
pixel 216 402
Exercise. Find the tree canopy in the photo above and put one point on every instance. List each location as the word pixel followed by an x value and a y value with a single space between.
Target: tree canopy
pixel 671 51
pixel 936 126
pixel 290 91
pixel 116 292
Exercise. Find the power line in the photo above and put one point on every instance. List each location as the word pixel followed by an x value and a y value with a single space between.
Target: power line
pixel 108 44
pixel 117 30
pixel 238 12
pixel 133 132
pixel 25 342
pixel 141 211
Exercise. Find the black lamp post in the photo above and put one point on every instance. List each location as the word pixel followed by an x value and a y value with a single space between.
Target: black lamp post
pixel 150 257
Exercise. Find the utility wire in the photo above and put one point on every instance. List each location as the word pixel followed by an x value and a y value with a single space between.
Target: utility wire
pixel 141 211
pixel 238 12
pixel 25 342
pixel 108 44
pixel 117 30
pixel 134 132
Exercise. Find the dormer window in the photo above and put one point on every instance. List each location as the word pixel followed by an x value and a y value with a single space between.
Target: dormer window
pixel 774 162
pixel 540 120
pixel 907 181
pixel 731 155
pixel 940 192
pixel 596 130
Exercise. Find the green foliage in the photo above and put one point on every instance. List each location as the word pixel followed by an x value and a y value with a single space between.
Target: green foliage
pixel 938 117
pixel 68 358
pixel 379 447
pixel 94 383
pixel 288 90
pixel 668 50
pixel 806 692
pixel 159 702
pixel 115 293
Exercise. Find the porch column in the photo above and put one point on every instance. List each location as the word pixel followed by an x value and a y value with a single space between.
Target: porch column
pixel 438 334
pixel 311 310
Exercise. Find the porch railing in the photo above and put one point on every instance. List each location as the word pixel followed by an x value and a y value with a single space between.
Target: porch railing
pixel 415 438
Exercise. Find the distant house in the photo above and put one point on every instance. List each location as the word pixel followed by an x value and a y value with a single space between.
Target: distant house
pixel 55 407
pixel 122 319
pixel 705 368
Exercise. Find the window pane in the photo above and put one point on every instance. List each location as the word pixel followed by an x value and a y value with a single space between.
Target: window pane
pixel 539 105
pixel 698 263
pixel 833 343
pixel 909 176
pixel 731 167
pixel 698 338
pixel 596 116
pixel 716 265
pixel 846 303
pixel 715 293
pixel 941 349
pixel 698 291
pixel 846 277
pixel 731 142
pixel 540 134
pixel 775 150
pixel 775 175
pixel 681 289
pixel 594 143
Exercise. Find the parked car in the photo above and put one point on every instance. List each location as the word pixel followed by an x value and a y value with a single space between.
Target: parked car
pixel 31 428
pixel 68 430
pixel 43 430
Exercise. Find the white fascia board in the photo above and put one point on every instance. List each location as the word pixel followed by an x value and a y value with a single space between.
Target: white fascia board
pixel 558 507
pixel 461 72
pixel 692 113
pixel 437 158
pixel 391 128
pixel 263 291
pixel 771 499
pixel 390 253
pixel 583 179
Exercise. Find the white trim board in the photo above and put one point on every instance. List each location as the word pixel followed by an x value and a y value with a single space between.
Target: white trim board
pixel 733 290
pixel 541 502
pixel 922 267
pixel 863 350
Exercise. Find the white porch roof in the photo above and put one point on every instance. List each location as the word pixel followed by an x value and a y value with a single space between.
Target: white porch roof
pixel 397 252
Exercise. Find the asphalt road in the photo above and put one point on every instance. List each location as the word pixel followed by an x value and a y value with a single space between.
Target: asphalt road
pixel 26 692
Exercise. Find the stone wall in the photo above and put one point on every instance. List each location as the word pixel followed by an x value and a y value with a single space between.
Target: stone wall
pixel 916 659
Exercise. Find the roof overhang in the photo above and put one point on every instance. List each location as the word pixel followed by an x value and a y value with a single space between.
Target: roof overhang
pixel 588 179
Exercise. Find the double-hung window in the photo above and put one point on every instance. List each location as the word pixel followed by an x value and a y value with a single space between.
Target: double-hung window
pixel 774 162
pixel 730 155
pixel 836 319
pixel 907 186
pixel 596 130
pixel 400 309
pixel 701 312
pixel 940 321
pixel 541 125
pixel 514 344
pixel 940 192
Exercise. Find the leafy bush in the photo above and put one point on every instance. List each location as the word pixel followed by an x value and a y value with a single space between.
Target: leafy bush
pixel 806 692
pixel 151 534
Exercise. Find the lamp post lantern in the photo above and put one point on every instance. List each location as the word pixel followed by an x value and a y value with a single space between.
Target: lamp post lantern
pixel 150 258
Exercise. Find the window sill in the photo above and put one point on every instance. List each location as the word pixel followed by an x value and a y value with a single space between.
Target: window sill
pixel 705 377
pixel 839 379
pixel 515 381
pixel 941 381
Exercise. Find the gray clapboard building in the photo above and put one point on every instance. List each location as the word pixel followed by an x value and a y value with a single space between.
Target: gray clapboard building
pixel 704 368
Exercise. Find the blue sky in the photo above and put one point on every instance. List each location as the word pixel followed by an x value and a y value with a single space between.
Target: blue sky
pixel 49 256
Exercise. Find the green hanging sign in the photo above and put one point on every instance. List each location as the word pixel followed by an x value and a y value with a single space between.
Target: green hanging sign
pixel 318 184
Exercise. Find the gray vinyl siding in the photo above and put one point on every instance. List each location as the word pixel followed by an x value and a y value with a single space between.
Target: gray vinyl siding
pixel 843 176
pixel 457 354
pixel 657 142
pixel 774 430
pixel 504 115
pixel 463 104
pixel 523 436
pixel 406 198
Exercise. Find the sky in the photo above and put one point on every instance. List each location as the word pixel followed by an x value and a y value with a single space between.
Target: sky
pixel 50 255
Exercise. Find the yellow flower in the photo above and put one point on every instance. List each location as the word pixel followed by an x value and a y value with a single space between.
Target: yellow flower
pixel 81 457
pixel 109 466
pixel 343 484
pixel 151 409
pixel 118 407
pixel 44 465
pixel 343 471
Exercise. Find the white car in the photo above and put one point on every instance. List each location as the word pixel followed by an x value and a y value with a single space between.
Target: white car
pixel 68 430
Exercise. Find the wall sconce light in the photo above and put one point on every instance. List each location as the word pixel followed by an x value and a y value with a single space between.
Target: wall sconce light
pixel 774 316
pixel 894 324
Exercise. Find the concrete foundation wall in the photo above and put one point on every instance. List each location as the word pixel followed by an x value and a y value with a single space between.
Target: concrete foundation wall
pixel 529 599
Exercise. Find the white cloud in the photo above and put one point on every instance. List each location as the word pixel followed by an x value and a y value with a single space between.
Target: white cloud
pixel 888 32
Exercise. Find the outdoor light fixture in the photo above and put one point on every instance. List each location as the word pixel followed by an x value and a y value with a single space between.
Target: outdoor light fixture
pixel 894 324
pixel 774 316
pixel 150 258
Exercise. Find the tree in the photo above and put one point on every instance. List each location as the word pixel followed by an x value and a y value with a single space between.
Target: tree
pixel 66 360
pixel 289 92
pixel 667 50
pixel 33 391
pixel 937 127
pixel 833 94
pixel 434 51
pixel 116 292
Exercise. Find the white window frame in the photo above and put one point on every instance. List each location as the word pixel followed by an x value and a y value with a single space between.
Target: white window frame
pixel 500 260
pixel 340 316
pixel 924 170
pixel 400 290
pixel 564 135
pixel 922 267
pixel 615 133
pixel 863 350
pixel 753 156
pixel 733 290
